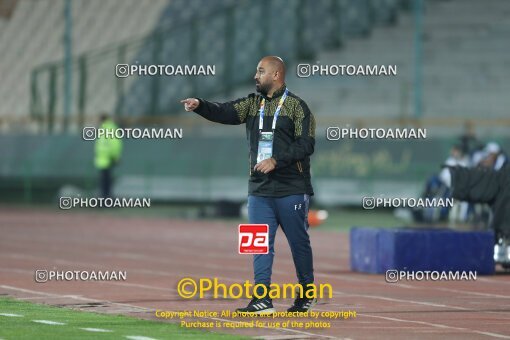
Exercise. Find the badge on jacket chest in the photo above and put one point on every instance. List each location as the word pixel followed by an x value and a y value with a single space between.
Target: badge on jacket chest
pixel 265 150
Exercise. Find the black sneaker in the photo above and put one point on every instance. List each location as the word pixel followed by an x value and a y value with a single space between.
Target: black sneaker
pixel 258 306
pixel 302 304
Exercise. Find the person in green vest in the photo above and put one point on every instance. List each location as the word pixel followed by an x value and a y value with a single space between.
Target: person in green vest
pixel 107 150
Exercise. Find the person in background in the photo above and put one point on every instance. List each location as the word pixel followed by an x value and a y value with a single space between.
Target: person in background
pixel 107 151
pixel 495 158
pixel 460 211
pixel 468 142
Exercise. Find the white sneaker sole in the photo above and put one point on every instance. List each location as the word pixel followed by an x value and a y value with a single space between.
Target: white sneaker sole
pixel 260 312
pixel 311 305
pixel 266 311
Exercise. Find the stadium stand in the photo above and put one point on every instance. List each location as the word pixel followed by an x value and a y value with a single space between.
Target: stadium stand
pixel 459 83
pixel 32 36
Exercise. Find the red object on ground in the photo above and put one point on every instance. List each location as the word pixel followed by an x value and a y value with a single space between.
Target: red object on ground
pixel 317 217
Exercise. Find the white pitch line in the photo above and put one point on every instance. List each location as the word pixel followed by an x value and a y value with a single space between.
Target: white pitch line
pixel 355 279
pixel 48 322
pixel 318 274
pixel 377 297
pixel 279 328
pixel 347 294
pixel 430 304
pixel 138 337
pixel 148 309
pixel 499 296
pixel 281 337
pixel 487 279
pixel 423 303
pixel 400 285
pixel 100 330
pixel 11 315
pixel 436 325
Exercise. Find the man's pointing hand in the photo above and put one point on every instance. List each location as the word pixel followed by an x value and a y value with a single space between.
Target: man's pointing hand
pixel 190 104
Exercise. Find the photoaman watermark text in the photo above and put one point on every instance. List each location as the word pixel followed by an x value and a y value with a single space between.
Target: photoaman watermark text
pixel 188 288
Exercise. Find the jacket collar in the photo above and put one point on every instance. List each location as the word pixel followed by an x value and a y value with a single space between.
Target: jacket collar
pixel 278 93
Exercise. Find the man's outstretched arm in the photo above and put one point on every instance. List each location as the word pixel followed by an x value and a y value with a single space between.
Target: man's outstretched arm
pixel 233 112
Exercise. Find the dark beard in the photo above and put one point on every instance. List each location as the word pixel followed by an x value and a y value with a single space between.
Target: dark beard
pixel 263 90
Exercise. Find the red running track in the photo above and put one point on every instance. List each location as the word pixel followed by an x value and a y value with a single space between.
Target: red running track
pixel 157 253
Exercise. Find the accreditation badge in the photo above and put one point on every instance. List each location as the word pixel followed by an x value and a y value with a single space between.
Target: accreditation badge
pixel 265 146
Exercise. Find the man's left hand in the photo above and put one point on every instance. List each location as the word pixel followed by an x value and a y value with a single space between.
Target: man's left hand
pixel 265 166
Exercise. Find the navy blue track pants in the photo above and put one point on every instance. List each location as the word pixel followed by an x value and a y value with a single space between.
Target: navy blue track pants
pixel 291 213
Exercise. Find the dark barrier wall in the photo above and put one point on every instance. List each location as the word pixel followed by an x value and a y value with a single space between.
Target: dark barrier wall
pixel 340 169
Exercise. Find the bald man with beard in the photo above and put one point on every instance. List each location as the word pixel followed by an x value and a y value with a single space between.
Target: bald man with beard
pixel 281 134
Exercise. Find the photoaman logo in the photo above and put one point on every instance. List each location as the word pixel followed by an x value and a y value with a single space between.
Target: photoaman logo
pixel 189 288
pixel 253 239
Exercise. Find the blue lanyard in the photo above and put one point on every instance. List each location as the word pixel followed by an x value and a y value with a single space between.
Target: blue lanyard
pixel 276 113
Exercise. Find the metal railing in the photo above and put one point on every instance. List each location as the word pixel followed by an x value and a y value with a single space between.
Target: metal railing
pixel 231 36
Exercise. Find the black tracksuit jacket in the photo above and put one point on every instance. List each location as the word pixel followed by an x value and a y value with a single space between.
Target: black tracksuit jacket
pixel 293 141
